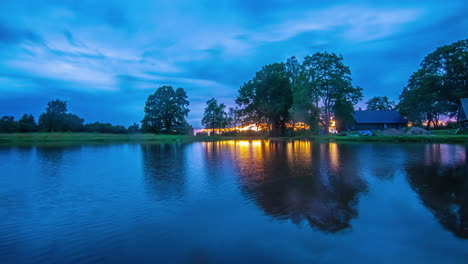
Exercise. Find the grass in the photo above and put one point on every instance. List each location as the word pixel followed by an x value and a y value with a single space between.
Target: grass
pixel 26 138
pixel 438 138
pixel 71 138
pixel 85 137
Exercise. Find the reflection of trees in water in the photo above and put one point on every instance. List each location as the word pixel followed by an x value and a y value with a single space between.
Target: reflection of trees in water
pixel 442 185
pixel 164 170
pixel 52 160
pixel 300 181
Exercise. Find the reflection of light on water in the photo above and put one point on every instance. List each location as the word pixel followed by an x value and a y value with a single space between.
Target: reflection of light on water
pixel 251 127
pixel 444 154
pixel 334 159
pixel 298 152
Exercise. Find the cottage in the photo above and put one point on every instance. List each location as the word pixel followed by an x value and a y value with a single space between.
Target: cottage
pixel 377 120
pixel 463 113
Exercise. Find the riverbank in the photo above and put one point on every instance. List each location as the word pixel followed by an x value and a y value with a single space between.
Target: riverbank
pixel 25 138
pixel 36 138
pixel 403 138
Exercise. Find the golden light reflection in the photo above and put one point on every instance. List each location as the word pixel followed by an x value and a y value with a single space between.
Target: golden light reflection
pixel 334 155
pixel 252 127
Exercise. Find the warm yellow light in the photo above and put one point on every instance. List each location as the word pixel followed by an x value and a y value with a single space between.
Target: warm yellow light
pixel 332 127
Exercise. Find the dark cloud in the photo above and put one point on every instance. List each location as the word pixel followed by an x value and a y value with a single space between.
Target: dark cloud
pixel 14 35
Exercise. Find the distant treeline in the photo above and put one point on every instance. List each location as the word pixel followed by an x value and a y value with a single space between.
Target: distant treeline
pixel 319 90
pixel 56 119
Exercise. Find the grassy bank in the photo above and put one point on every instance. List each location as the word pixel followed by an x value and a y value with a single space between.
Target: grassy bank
pixel 403 138
pixel 24 138
pixel 34 138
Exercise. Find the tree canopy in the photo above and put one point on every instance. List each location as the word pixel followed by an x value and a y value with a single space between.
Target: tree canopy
pixel 166 111
pixel 267 98
pixel 214 115
pixel 435 89
pixel 56 119
pixel 380 103
pixel 324 81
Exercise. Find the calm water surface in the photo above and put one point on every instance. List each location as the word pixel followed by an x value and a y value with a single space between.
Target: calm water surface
pixel 234 202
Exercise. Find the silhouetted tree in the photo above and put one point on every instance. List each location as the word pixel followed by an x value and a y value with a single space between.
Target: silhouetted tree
pixel 56 118
pixel 328 80
pixel 380 103
pixel 343 111
pixel 267 98
pixel 27 124
pixel 214 115
pixel 135 128
pixel 8 124
pixel 105 128
pixel 166 111
pixel 233 116
pixel 436 88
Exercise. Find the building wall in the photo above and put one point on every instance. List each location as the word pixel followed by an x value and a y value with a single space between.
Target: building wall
pixel 377 126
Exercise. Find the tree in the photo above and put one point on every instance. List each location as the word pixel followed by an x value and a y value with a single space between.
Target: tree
pixel 166 111
pixel 343 111
pixel 267 98
pixel 380 103
pixel 27 124
pixel 233 117
pixel 105 128
pixel 292 67
pixel 214 115
pixel 135 128
pixel 8 124
pixel 435 89
pixel 327 80
pixel 56 119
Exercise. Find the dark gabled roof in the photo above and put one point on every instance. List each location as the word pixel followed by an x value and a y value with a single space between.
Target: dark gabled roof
pixel 379 117
pixel 463 114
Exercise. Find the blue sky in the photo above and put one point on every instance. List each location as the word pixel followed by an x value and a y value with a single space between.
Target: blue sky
pixel 106 57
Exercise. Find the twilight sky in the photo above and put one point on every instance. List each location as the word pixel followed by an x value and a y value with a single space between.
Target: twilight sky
pixel 106 57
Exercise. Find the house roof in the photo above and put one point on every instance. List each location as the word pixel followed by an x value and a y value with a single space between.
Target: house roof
pixel 379 117
pixel 463 116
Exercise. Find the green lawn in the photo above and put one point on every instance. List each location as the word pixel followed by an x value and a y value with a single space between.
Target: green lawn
pixel 20 138
pixel 86 137
pixel 28 138
pixel 438 138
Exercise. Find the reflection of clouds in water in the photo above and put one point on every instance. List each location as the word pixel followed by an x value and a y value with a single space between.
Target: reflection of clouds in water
pixel 300 181
pixel 442 185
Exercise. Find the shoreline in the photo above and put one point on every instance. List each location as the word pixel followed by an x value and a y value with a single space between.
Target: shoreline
pixel 57 138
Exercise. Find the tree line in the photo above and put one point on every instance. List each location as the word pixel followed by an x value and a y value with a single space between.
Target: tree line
pixel 320 89
pixel 56 118
pixel 313 92
pixel 435 89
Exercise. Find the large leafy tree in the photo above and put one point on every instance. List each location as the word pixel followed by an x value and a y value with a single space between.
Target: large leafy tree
pixel 380 103
pixel 302 109
pixel 327 80
pixel 233 116
pixel 436 88
pixel 8 124
pixel 267 98
pixel 343 112
pixel 214 115
pixel 56 119
pixel 27 123
pixel 166 111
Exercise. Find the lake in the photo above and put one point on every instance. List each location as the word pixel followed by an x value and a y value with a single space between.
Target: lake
pixel 234 202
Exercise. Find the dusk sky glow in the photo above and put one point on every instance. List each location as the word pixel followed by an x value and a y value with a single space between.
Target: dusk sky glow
pixel 106 57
